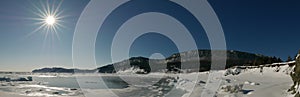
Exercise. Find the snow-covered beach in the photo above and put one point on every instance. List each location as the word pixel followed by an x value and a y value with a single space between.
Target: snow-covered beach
pixel 271 82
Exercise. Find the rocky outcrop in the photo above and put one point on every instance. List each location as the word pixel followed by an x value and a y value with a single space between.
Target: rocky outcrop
pixel 296 77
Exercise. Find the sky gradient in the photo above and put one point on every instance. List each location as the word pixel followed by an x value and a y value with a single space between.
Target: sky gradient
pixel 269 27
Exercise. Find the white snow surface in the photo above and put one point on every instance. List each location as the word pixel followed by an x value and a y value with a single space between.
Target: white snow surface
pixel 248 83
pixel 272 82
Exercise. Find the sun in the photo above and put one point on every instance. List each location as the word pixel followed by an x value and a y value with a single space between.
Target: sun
pixel 50 20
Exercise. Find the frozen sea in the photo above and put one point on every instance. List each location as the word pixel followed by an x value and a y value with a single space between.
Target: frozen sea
pixel 272 82
pixel 90 85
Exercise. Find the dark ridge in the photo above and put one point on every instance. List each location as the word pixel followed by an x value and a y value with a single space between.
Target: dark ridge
pixel 173 62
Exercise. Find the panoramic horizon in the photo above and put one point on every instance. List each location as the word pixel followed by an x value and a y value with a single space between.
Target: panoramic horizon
pixel 71 67
pixel 29 41
pixel 149 48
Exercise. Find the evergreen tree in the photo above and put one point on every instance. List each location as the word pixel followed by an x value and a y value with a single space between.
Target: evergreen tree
pixel 289 59
pixel 255 62
pixel 279 60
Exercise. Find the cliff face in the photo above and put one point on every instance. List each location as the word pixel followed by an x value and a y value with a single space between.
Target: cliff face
pixel 296 77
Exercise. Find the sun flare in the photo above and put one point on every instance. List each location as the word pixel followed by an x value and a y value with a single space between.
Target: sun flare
pixel 50 20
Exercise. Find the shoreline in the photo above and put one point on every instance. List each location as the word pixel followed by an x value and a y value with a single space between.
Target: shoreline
pixel 8 94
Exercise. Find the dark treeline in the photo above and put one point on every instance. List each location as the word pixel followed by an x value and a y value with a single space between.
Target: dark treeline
pixel 173 63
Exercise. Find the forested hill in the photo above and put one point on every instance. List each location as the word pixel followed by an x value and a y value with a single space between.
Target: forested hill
pixel 173 62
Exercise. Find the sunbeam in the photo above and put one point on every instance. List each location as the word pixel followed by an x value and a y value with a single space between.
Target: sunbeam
pixel 48 18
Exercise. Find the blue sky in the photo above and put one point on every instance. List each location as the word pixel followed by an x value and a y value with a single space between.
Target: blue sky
pixel 269 27
pixel 23 52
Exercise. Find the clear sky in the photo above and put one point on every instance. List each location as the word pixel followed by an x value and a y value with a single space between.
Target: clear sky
pixel 269 27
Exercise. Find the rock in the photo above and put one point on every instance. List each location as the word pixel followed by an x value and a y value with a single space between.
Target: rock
pixel 5 79
pixel 234 71
pixel 247 82
pixel 8 79
pixel 3 84
pixel 55 92
pixel 232 88
pixel 12 84
pixel 202 82
pixel 73 89
pixel 295 75
pixel 24 79
pixel 27 92
pixel 160 89
pixel 160 92
pixel 251 83
pixel 228 80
